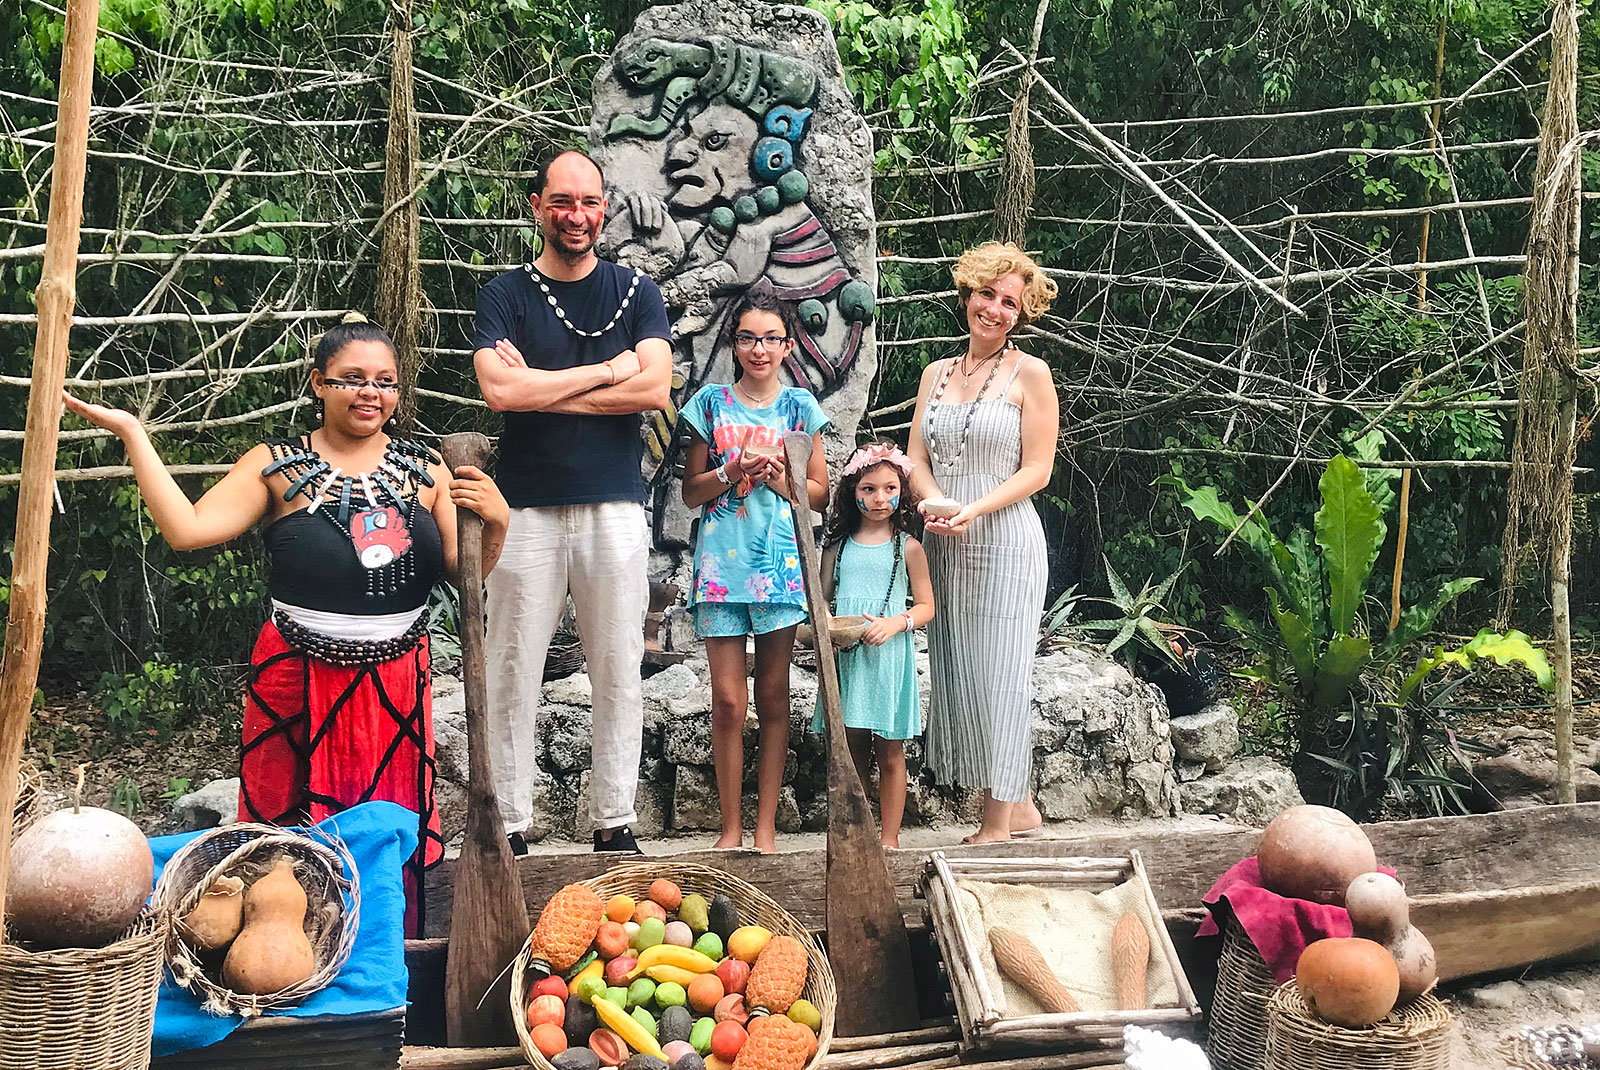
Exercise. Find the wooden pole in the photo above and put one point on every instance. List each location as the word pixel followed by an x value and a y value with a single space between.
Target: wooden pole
pixel 55 297
pixel 397 308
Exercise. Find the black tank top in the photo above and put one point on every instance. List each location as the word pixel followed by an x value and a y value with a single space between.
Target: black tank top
pixel 383 556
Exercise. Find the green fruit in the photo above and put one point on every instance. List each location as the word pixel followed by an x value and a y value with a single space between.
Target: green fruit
pixel 807 1015
pixel 646 1019
pixel 709 945
pixel 671 994
pixel 651 932
pixel 619 996
pixel 581 964
pixel 693 911
pixel 722 917
pixel 591 988
pixel 642 991
pixel 700 1035
pixel 676 1024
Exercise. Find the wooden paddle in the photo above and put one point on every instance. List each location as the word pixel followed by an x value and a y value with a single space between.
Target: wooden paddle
pixel 489 917
pixel 867 943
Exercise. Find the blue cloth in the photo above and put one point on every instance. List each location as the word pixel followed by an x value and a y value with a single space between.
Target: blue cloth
pixel 745 550
pixel 380 836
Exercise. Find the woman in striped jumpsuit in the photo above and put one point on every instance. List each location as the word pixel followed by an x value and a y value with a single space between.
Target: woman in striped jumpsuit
pixel 984 435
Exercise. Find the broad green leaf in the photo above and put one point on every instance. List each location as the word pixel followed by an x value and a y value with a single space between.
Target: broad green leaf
pixel 1417 621
pixel 1513 646
pixel 1297 641
pixel 1339 667
pixel 1205 504
pixel 1300 580
pixel 1349 531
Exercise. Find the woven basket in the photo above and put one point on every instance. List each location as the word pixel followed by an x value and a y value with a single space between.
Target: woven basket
pixel 755 908
pixel 1413 1037
pixel 324 869
pixel 82 1009
pixel 29 783
pixel 1237 1030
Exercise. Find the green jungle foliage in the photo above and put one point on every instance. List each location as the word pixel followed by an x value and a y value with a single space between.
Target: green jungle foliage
pixel 160 634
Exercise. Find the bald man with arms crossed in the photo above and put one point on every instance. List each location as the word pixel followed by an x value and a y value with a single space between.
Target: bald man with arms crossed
pixel 571 348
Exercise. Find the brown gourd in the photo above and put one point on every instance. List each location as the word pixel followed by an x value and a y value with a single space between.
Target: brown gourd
pixel 1130 955
pixel 216 920
pixel 272 951
pixel 1020 959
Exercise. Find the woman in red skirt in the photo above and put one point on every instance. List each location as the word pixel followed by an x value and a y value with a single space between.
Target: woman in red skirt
pixel 360 525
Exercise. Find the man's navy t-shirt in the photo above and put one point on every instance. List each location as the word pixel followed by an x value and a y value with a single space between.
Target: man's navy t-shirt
pixel 552 458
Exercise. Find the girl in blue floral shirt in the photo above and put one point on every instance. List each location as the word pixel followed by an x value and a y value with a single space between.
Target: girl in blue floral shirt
pixel 746 563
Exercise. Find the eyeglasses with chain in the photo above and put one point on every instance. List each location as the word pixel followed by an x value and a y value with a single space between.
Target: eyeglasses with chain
pixel 747 343
pixel 382 386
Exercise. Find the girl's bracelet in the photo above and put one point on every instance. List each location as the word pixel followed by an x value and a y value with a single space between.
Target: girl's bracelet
pixel 911 624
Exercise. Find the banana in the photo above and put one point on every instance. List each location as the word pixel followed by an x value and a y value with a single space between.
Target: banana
pixel 683 958
pixel 622 1023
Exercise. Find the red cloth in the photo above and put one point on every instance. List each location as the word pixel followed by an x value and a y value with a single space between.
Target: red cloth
pixel 1279 926
pixel 320 738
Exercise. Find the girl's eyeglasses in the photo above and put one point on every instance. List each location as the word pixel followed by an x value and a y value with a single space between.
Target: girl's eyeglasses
pixel 382 386
pixel 747 343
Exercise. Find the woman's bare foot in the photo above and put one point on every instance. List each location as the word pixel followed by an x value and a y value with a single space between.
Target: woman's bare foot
pixel 729 839
pixel 767 842
pixel 987 836
pixel 1025 816
pixel 888 842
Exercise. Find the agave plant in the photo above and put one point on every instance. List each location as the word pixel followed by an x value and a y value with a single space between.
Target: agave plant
pixel 1136 621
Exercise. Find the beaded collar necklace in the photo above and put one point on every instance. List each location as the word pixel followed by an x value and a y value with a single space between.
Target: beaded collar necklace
pixel 966 424
pixel 561 314
pixel 376 500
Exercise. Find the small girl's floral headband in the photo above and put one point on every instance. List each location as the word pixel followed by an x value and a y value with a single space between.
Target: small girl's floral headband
pixel 878 453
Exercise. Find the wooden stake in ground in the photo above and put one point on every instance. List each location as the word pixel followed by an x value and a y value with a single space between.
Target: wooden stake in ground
pixel 398 305
pixel 488 916
pixel 867 943
pixel 55 297
pixel 1539 496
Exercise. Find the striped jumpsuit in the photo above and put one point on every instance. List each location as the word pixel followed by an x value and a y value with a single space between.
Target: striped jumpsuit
pixel 989 587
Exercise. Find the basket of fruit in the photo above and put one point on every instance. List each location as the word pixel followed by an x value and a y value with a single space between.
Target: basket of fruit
pixel 683 964
pixel 264 916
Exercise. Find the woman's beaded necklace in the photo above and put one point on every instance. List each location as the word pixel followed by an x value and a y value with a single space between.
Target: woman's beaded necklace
pixel 894 568
pixel 561 314
pixel 966 424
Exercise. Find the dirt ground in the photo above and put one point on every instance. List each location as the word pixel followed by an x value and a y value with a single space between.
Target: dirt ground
pixel 1488 1013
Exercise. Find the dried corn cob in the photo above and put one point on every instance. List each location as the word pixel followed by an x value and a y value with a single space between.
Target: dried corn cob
pixel 778 977
pixel 1130 953
pixel 566 928
pixel 1021 961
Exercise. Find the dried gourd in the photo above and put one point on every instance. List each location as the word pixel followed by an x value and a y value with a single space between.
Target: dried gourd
pixel 778 976
pixel 1021 960
pixel 775 1043
pixel 217 918
pixel 272 951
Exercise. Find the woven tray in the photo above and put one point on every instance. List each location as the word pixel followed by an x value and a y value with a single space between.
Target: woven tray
pixel 1237 1031
pixel 1414 1037
pixel 755 908
pixel 82 1008
pixel 324 869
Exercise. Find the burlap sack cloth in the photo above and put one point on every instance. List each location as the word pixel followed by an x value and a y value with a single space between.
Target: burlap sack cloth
pixel 1072 929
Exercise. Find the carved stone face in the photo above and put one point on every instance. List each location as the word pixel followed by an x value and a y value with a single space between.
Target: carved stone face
pixel 709 163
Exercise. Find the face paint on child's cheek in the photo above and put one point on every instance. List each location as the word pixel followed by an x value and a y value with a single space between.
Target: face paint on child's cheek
pixel 894 502
pixel 861 503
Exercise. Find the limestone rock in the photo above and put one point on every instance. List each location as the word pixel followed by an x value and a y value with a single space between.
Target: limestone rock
pixel 574 690
pixel 1568 999
pixel 652 806
pixel 1524 772
pixel 686 740
pixel 1250 791
pixel 1500 997
pixel 694 798
pixel 675 681
pixel 568 737
pixel 217 803
pixel 450 728
pixel 1210 736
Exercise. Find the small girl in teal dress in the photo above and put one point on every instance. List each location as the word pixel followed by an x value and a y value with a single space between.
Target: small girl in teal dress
pixel 868 565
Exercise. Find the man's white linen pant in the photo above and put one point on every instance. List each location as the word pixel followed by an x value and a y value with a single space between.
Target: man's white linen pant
pixel 600 552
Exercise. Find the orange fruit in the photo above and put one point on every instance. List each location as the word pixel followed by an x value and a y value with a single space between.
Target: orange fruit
pixel 666 893
pixel 620 908
pixel 549 1039
pixel 705 992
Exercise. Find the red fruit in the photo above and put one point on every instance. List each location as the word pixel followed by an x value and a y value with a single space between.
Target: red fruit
pixel 733 974
pixel 549 1039
pixel 617 970
pixel 547 1009
pixel 726 1040
pixel 731 1008
pixel 650 909
pixel 666 893
pixel 549 986
pixel 611 940
pixel 608 1047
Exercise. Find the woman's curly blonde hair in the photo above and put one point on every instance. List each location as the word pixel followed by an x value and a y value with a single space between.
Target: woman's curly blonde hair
pixel 983 264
